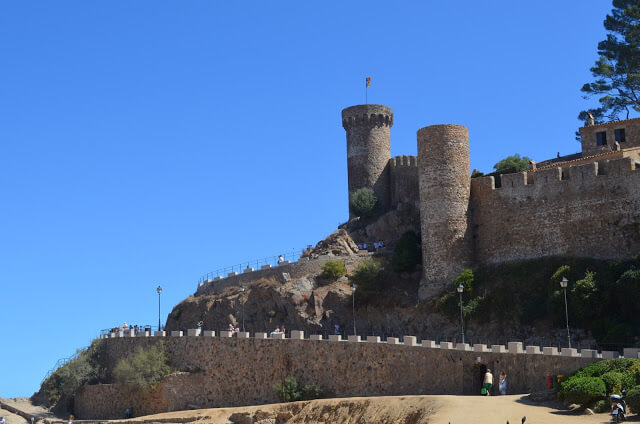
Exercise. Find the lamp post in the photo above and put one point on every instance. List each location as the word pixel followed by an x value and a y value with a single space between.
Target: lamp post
pixel 159 290
pixel 460 289
pixel 353 306
pixel 564 283
pixel 242 288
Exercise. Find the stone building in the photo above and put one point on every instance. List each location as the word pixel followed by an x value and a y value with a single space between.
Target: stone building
pixel 581 205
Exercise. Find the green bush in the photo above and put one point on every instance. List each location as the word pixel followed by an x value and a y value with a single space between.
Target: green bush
pixel 633 399
pixel 613 382
pixel 364 202
pixel 144 368
pixel 86 367
pixel 583 390
pixel 291 391
pixel 334 269
pixel 368 278
pixel 313 391
pixel 407 252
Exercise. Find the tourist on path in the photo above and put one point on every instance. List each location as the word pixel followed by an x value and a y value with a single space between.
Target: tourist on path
pixel 502 382
pixel 487 383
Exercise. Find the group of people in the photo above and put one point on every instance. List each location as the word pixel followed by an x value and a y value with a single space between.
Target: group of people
pixel 233 330
pixel 376 245
pixel 124 327
pixel 487 383
pixel 278 330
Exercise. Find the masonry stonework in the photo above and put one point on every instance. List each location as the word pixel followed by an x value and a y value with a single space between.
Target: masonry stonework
pixel 369 149
pixel 236 372
pixel 581 205
pixel 443 163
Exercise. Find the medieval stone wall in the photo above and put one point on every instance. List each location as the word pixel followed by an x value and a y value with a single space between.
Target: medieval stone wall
pixel 404 180
pixel 242 371
pixel 588 210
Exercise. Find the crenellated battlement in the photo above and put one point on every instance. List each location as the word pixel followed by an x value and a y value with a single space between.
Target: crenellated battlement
pixel 560 177
pixel 367 116
pixel 404 160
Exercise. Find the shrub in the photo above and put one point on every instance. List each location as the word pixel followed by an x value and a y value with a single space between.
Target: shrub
pixel 364 202
pixel 291 391
pixel 144 368
pixel 313 391
pixel 633 399
pixel 583 390
pixel 613 381
pixel 84 368
pixel 334 269
pixel 465 278
pixel 407 252
pixel 367 277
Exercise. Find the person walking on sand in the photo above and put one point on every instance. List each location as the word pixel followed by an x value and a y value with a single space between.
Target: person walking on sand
pixel 502 382
pixel 487 383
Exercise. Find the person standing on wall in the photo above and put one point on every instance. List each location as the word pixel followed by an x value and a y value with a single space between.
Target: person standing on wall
pixel 502 382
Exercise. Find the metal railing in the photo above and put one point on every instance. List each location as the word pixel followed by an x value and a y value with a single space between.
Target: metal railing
pixel 291 256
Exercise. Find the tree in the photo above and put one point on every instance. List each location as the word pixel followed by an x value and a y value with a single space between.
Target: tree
pixel 617 70
pixel 511 164
pixel 364 202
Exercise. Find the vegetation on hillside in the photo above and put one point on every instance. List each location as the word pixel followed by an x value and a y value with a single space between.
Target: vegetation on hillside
pixel 407 253
pixel 86 367
pixel 603 297
pixel 290 391
pixel 333 269
pixel 593 384
pixel 364 202
pixel 144 368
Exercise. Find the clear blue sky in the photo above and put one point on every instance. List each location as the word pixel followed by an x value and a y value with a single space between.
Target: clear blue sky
pixel 147 142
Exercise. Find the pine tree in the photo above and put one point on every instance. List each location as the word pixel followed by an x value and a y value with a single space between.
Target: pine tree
pixel 617 70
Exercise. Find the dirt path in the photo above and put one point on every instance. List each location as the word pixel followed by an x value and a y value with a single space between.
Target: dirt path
pixel 397 409
pixel 499 409
pixel 379 410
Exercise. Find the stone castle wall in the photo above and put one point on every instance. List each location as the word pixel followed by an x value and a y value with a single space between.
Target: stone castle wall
pixel 587 210
pixel 229 371
pixel 404 180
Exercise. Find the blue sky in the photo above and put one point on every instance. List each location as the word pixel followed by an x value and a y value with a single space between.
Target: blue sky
pixel 148 142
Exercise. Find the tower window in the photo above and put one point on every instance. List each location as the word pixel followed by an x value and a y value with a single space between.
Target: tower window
pixel 601 138
pixel 620 136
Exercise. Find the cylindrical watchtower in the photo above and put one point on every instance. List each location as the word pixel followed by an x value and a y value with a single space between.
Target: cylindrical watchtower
pixel 368 149
pixel 443 167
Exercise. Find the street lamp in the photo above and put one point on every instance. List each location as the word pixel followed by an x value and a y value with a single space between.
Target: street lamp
pixel 564 283
pixel 353 306
pixel 159 290
pixel 460 289
pixel 242 288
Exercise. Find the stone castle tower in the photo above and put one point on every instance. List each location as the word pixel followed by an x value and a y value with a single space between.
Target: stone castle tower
pixel 445 187
pixel 369 149
pixel 585 204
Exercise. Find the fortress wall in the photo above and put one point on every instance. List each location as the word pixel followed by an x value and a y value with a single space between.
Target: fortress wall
pixel 587 210
pixel 404 180
pixel 242 371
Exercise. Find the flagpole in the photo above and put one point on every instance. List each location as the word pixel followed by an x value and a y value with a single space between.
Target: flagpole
pixel 366 94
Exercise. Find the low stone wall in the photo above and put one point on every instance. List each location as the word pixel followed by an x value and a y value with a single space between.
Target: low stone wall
pixel 242 371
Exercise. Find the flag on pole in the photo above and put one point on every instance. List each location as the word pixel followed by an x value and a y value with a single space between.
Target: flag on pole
pixel 368 81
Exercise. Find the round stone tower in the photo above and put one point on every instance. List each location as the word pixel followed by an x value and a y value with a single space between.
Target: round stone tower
pixel 444 179
pixel 368 149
